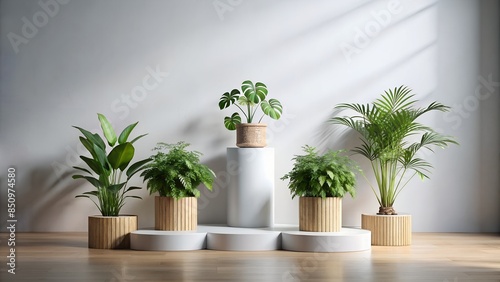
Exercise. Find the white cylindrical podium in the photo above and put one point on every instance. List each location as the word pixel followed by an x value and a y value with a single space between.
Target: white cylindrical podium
pixel 250 191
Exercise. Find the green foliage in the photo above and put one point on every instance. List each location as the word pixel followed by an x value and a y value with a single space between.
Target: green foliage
pixel 253 98
pixel 177 173
pixel 106 169
pixel 387 127
pixel 328 175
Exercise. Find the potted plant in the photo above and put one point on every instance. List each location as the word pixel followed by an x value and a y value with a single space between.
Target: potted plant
pixel 250 134
pixel 176 175
pixel 106 165
pixel 321 181
pixel 391 140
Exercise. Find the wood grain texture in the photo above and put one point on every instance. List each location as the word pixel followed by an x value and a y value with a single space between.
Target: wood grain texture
pixel 388 230
pixel 176 215
pixel 110 232
pixel 439 257
pixel 320 215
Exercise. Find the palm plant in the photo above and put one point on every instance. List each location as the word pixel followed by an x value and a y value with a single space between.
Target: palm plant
pixel 253 98
pixel 106 169
pixel 386 128
pixel 178 172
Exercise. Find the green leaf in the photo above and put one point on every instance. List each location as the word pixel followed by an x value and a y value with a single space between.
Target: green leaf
pixel 231 122
pixel 125 133
pixel 101 157
pixel 137 138
pixel 321 180
pixel 244 101
pixel 272 108
pixel 94 138
pixel 330 174
pixel 93 164
pixel 137 166
pixel 107 129
pixel 82 169
pixel 90 179
pixel 89 146
pixel 132 188
pixel 121 155
pixel 255 93
pixel 135 197
pixel 228 99
pixel 116 187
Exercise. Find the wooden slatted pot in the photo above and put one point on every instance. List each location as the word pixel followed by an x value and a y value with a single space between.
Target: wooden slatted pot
pixel 176 215
pixel 251 135
pixel 388 230
pixel 320 215
pixel 111 232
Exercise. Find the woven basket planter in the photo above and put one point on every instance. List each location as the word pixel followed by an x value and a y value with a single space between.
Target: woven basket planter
pixel 251 135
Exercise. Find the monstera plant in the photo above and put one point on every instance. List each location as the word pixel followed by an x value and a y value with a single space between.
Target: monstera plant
pixel 391 139
pixel 251 98
pixel 109 168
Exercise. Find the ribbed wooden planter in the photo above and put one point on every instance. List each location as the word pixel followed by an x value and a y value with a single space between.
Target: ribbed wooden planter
pixel 320 215
pixel 176 215
pixel 388 230
pixel 111 232
pixel 251 135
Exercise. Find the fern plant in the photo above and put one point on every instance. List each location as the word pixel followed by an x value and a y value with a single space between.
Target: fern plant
pixel 387 128
pixel 253 98
pixel 327 175
pixel 176 172
pixel 105 169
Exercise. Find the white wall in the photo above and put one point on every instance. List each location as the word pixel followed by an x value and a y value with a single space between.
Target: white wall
pixel 93 56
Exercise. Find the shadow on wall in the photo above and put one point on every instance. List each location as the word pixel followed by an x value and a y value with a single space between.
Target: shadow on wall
pixel 212 205
pixel 46 199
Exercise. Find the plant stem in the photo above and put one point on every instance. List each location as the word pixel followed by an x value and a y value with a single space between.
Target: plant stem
pixel 241 110
pixel 250 116
pixel 404 185
pixel 373 189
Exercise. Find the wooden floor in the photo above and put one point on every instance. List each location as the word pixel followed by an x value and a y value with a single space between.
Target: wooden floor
pixel 442 257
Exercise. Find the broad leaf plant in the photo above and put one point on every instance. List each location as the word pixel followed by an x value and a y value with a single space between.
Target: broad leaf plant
pixel 109 168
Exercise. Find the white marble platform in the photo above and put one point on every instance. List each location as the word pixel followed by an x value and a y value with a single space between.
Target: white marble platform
pixel 224 238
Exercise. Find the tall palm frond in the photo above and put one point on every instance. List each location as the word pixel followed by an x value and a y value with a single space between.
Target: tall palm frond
pixel 386 127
